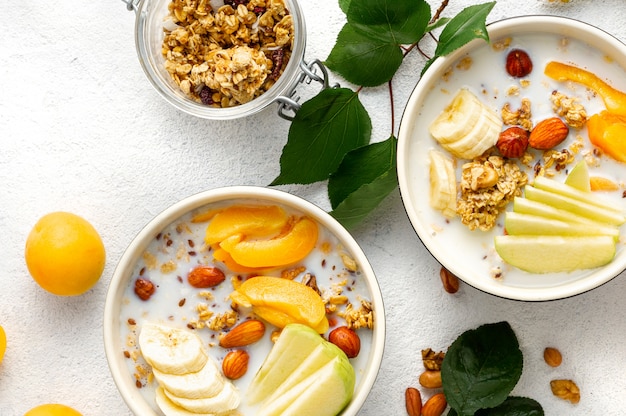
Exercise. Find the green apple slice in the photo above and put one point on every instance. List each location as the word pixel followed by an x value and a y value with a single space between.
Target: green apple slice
pixel 323 393
pixel 550 185
pixel 295 343
pixel 577 206
pixel 516 223
pixel 528 206
pixel 579 177
pixel 553 254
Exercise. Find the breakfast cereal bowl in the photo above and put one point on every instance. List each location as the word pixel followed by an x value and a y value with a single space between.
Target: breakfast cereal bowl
pixel 180 65
pixel 167 251
pixel 480 67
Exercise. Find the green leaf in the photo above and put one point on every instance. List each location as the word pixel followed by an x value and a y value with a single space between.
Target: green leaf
pixel 325 128
pixel 362 60
pixel 365 177
pixel 392 21
pixel 468 25
pixel 344 5
pixel 481 368
pixel 442 21
pixel 514 406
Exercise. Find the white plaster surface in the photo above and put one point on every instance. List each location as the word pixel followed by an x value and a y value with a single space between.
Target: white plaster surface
pixel 82 130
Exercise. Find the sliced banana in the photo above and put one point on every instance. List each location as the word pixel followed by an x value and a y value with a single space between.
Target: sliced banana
pixel 207 382
pixel 169 408
pixel 483 136
pixel 442 183
pixel 172 350
pixel 458 118
pixel 227 399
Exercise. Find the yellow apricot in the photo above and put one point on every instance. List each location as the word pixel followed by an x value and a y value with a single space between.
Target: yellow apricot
pixel 614 100
pixel 3 343
pixel 607 131
pixel 251 221
pixel 289 248
pixel 282 301
pixel 52 409
pixel 222 255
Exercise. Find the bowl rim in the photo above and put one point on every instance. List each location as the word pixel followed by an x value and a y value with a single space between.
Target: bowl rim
pixel 518 24
pixel 111 334
pixel 285 83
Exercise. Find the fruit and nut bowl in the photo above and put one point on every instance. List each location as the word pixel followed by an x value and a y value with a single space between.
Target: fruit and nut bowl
pixel 510 161
pixel 244 301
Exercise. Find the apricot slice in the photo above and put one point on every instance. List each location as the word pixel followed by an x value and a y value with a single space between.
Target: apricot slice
pixel 290 247
pixel 252 221
pixel 282 301
pixel 614 100
pixel 607 131
pixel 222 255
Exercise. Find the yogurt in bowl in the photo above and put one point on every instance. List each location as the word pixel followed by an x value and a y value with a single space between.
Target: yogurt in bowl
pixel 481 68
pixel 151 285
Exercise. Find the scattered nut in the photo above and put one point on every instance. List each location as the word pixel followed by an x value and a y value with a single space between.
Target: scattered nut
pixel 435 405
pixel 566 390
pixel 235 364
pixel 449 280
pixel 518 63
pixel 431 379
pixel 347 340
pixel 552 357
pixel 548 133
pixel 513 142
pixel 432 360
pixel 144 288
pixel 246 333
pixel 205 276
pixel 413 400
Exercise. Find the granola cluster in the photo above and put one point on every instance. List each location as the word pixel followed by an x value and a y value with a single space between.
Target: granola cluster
pixel 228 56
pixel 488 184
pixel 570 109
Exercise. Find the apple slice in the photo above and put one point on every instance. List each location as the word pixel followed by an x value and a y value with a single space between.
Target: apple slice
pixel 323 393
pixel 528 206
pixel 295 343
pixel 516 223
pixel 577 206
pixel 553 254
pixel 550 185
pixel 579 177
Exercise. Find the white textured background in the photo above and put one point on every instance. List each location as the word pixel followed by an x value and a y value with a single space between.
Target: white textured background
pixel 82 130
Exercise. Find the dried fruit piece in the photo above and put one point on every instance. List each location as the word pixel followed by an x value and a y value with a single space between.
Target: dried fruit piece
pixel 431 379
pixel 598 183
pixel 435 405
pixel 246 333
pixel 548 133
pixel 144 288
pixel 566 390
pixel 606 131
pixel 413 401
pixel 205 276
pixel 235 364
pixel 518 63
pixel 347 340
pixel 513 142
pixel 552 357
pixel 449 280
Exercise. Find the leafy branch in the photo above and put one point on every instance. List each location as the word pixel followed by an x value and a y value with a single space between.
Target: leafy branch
pixel 330 136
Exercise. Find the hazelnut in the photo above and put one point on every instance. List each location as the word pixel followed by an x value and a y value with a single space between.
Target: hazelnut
pixel 518 63
pixel 513 142
pixel 347 340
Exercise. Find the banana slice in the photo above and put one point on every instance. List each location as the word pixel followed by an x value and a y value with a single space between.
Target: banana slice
pixel 458 118
pixel 169 408
pixel 442 183
pixel 207 382
pixel 227 399
pixel 171 350
pixel 480 138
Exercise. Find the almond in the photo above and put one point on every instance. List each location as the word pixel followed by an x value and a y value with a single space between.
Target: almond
pixel 413 399
pixel 435 405
pixel 431 379
pixel 246 333
pixel 203 277
pixel 548 133
pixel 449 280
pixel 552 357
pixel 235 364
pixel 347 340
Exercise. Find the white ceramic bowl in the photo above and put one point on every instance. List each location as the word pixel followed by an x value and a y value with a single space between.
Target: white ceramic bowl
pixel 150 15
pixel 120 298
pixel 470 254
